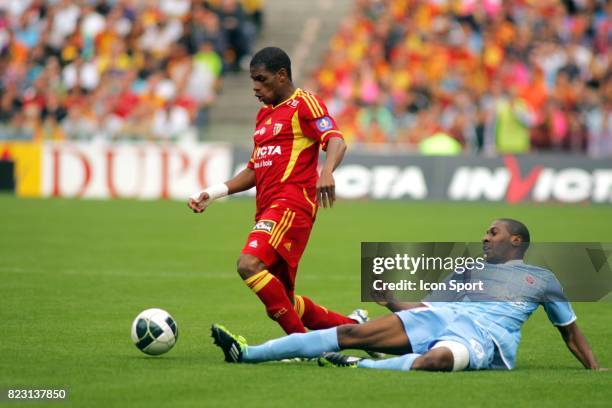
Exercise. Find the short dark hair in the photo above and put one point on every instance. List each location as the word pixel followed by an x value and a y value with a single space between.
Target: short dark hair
pixel 518 228
pixel 273 59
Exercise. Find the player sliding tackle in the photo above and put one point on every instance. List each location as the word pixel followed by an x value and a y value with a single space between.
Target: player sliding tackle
pixel 289 131
pixel 439 336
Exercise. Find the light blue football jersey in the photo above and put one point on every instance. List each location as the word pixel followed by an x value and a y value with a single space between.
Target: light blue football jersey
pixel 512 292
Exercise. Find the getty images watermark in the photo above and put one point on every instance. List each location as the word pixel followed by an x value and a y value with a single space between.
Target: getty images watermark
pixel 422 263
pixel 459 271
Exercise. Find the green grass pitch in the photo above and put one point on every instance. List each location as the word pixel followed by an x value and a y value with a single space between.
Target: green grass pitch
pixel 75 273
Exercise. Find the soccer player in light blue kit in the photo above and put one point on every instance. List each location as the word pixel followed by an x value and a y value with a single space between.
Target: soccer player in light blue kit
pixel 472 332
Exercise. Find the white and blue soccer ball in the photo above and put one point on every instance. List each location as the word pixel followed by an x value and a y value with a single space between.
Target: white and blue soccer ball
pixel 154 331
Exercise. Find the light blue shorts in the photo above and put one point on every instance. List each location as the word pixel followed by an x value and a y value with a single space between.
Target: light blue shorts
pixel 425 326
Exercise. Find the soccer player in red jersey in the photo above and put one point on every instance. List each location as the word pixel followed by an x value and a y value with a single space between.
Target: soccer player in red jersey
pixel 290 128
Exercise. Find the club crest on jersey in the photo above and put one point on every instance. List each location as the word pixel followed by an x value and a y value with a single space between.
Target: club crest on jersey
pixel 324 124
pixel 265 226
pixel 277 128
pixel 264 151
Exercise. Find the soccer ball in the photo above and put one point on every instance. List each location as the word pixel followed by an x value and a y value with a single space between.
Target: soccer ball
pixel 154 332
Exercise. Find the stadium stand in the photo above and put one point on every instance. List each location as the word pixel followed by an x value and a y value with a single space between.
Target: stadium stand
pixel 495 76
pixel 122 69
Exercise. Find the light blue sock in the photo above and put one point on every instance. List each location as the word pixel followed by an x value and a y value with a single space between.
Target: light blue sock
pixel 401 363
pixel 308 345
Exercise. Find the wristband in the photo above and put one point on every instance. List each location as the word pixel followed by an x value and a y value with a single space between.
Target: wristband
pixel 214 192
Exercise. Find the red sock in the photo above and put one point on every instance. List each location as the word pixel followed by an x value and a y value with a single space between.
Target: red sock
pixel 317 317
pixel 278 306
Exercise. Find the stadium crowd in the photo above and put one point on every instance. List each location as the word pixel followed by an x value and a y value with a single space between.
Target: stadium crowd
pixel 111 69
pixel 473 75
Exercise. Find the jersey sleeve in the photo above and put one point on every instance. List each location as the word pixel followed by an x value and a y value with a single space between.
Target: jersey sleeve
pixel 315 120
pixel 557 307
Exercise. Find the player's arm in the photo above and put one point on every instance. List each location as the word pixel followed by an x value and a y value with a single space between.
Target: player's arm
pixel 561 314
pixel 318 125
pixel 399 306
pixel 240 182
pixel 386 299
pixel 578 345
pixel 326 187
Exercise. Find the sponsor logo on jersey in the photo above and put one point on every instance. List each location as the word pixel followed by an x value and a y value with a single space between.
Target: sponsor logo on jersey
pixel 260 131
pixel 277 128
pixel 269 121
pixel 287 246
pixel 253 243
pixel 265 226
pixel 264 151
pixel 263 163
pixel 324 124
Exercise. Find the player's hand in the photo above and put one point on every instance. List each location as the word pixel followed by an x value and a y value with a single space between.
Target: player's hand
pixel 382 297
pixel 198 204
pixel 326 190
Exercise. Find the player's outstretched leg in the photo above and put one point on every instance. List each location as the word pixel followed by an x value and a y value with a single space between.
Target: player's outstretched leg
pixel 441 358
pixel 304 345
pixel 317 317
pixel 382 334
pixel 385 334
pixel 271 292
pixel 233 346
pixel 401 363
pixel 334 359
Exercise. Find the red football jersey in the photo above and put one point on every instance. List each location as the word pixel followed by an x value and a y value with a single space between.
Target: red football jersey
pixel 286 151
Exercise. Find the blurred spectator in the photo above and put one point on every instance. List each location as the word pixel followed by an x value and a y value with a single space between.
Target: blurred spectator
pixel 497 76
pixel 512 123
pixel 81 74
pixel 117 69
pixel 239 31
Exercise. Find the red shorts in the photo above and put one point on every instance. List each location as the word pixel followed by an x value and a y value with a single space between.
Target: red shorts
pixel 278 239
